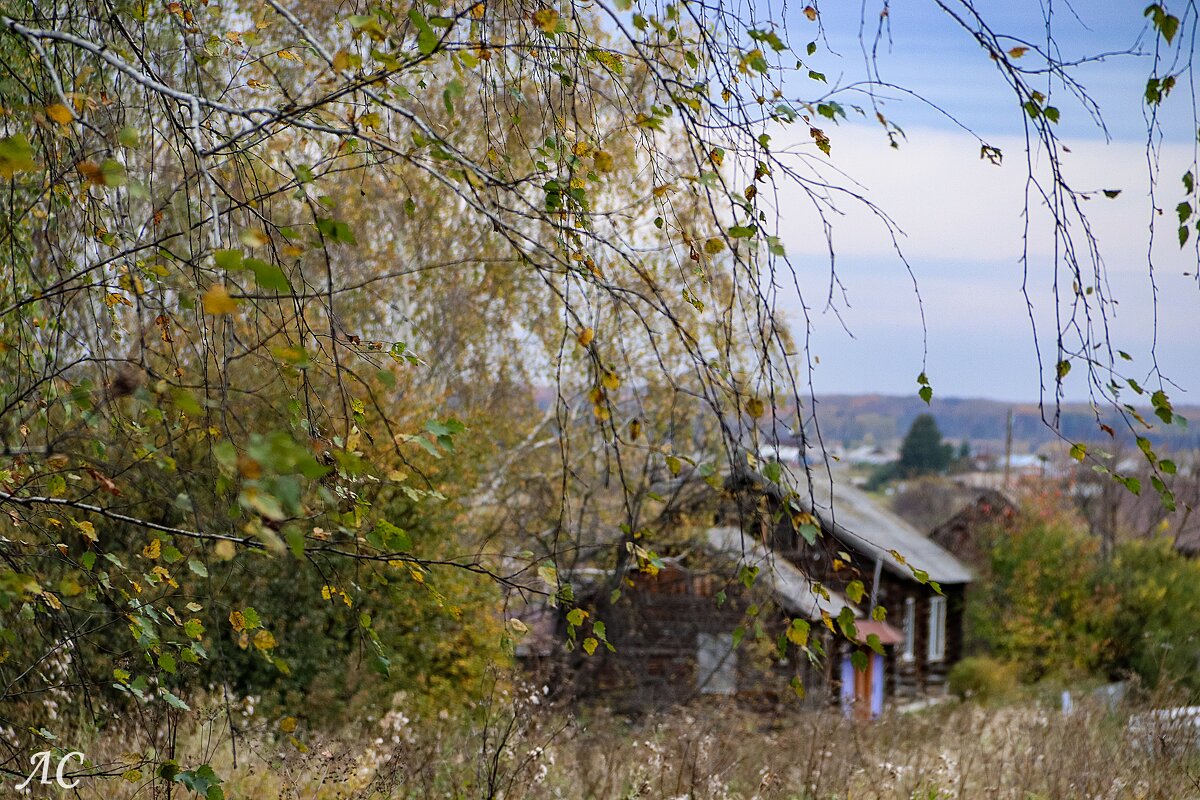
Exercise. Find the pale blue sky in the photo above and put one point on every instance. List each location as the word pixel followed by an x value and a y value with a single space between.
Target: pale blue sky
pixel 963 218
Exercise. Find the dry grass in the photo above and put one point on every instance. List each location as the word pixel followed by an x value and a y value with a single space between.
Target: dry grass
pixel 524 750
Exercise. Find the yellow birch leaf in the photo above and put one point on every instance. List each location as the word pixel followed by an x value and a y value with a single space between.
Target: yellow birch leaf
pixel 546 19
pixel 60 114
pixel 217 301
pixel 88 530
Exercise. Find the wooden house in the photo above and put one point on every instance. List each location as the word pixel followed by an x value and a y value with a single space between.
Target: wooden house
pixel 696 626
pixel 688 628
pixel 920 585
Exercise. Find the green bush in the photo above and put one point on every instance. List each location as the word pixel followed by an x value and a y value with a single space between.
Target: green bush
pixel 983 678
pixel 1039 605
pixel 1156 623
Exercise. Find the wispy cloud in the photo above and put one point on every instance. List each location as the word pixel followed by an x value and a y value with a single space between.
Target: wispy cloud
pixel 963 222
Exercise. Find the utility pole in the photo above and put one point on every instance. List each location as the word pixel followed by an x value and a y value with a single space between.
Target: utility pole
pixel 1008 447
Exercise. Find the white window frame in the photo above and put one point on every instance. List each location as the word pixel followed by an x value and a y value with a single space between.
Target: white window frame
pixel 909 651
pixel 937 628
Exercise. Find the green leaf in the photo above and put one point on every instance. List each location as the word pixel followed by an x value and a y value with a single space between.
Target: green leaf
pixel 252 619
pixel 445 427
pixel 427 38
pixel 173 700
pixel 453 91
pixel 203 781
pixel 926 393
pixel 845 621
pixel 576 616
pixel 228 259
pixel 855 591
pixel 1063 369
pixel 770 38
pixel 1163 408
pixel 1078 451
pixel 16 155
pixel 167 662
pixel 389 538
pixel 337 231
pixel 268 276
pixel 1153 94
pixel 797 632
pixel 113 172
pixel 198 568
pixel 129 137
pixel 810 533
pixel 1169 27
pixel 831 110
pixel 742 231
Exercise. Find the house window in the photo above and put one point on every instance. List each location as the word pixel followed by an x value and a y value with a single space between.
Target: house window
pixel 716 664
pixel 910 629
pixel 937 628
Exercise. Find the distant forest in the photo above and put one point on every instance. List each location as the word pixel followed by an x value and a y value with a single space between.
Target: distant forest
pixel 852 420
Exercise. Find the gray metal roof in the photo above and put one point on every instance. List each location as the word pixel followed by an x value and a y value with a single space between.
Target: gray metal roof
pixel 796 593
pixel 856 520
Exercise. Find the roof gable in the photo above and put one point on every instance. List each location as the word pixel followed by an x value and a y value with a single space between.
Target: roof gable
pixel 795 591
pixel 853 518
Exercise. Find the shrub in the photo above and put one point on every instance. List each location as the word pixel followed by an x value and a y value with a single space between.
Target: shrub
pixel 983 678
pixel 1039 606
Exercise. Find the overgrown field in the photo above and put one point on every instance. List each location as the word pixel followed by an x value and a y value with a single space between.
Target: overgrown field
pixel 518 748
